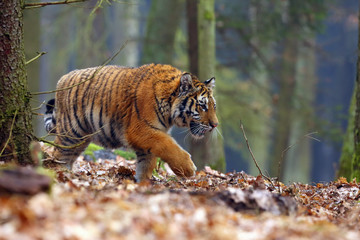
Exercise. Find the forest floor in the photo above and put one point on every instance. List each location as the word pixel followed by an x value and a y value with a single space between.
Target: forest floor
pixel 101 201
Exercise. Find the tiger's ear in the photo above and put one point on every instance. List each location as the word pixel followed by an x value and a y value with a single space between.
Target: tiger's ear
pixel 210 83
pixel 186 84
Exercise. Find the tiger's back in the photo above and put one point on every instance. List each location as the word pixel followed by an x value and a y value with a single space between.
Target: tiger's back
pixel 119 106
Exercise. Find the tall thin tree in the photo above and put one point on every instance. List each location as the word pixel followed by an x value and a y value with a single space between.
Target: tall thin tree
pixel 210 149
pixel 356 157
pixel 15 111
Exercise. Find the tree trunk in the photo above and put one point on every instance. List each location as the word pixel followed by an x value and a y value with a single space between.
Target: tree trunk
pixel 256 122
pixel 347 152
pixel 285 105
pixel 192 27
pixel 15 110
pixel 298 158
pixel 356 157
pixel 127 29
pixel 210 149
pixel 163 21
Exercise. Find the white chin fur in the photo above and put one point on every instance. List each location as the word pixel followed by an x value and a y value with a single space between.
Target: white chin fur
pixel 197 137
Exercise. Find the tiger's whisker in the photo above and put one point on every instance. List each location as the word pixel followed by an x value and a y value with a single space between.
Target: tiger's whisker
pixel 218 131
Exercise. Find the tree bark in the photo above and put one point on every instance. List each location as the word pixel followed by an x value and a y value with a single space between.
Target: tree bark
pixel 347 152
pixel 15 110
pixel 210 149
pixel 356 157
pixel 193 41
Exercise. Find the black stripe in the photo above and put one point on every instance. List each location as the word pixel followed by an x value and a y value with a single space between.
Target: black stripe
pixel 70 100
pixel 93 100
pixel 66 151
pixel 112 132
pixel 75 109
pixel 159 116
pixel 191 104
pixel 150 125
pixel 72 128
pixel 101 124
pixel 109 96
pixel 136 89
pixel 78 120
pixel 183 104
pixel 65 140
pixel 64 127
pixel 117 112
pixel 85 97
pixel 70 83
pixel 103 96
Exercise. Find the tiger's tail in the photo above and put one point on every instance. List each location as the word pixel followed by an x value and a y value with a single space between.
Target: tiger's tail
pixel 49 116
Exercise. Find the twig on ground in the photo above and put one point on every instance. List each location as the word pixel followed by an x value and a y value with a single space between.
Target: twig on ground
pixel 253 157
pixel 84 138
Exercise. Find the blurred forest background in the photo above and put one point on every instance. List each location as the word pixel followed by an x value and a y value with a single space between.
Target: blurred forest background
pixel 283 68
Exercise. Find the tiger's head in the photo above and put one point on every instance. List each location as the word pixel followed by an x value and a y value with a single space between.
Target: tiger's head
pixel 195 106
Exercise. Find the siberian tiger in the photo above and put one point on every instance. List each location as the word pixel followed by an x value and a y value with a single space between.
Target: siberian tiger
pixel 117 106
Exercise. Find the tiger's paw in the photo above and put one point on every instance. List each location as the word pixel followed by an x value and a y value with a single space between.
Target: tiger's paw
pixel 185 169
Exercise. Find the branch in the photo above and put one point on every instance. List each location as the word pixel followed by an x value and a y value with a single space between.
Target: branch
pixel 253 157
pixel 87 79
pixel 43 4
pixel 10 134
pixel 39 107
pixel 61 146
pixel 36 57
pixel 84 138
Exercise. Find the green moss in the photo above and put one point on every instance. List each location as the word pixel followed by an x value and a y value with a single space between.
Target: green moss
pixel 90 150
pixel 208 15
pixel 356 167
pixel 128 155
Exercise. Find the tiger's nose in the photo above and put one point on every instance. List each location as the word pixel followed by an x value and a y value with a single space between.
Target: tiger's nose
pixel 213 125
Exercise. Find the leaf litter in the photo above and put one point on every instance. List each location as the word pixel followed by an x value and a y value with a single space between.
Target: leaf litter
pixel 101 200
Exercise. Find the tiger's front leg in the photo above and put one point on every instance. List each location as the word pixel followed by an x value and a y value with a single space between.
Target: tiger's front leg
pixel 160 144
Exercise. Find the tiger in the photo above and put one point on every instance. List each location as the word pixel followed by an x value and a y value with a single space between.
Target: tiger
pixel 134 107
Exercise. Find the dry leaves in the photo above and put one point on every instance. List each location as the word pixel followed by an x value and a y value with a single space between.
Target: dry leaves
pixel 102 201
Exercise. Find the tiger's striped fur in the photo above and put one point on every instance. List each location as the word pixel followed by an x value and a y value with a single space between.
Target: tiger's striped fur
pixel 120 106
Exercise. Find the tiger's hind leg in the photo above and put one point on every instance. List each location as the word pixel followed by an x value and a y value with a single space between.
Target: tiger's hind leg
pixel 66 156
pixel 146 163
